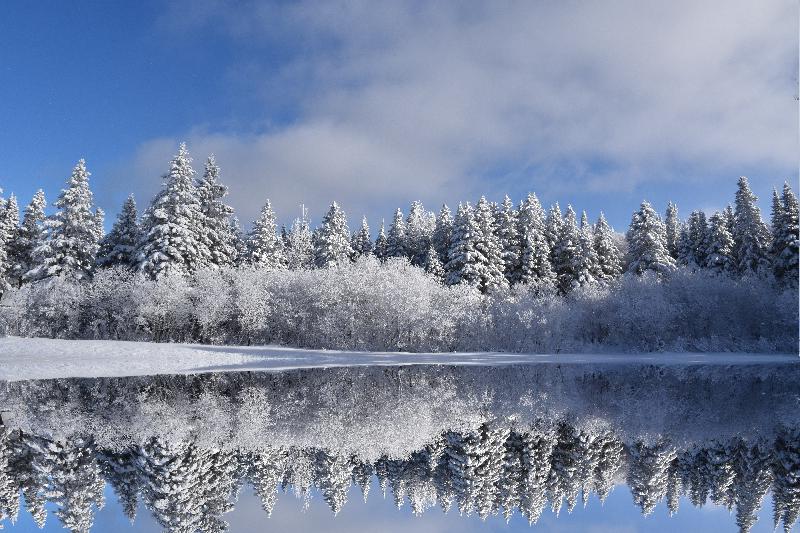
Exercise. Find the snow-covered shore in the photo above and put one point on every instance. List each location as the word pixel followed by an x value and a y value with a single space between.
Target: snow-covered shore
pixel 37 358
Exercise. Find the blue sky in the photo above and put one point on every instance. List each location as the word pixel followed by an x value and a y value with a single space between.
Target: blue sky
pixel 375 104
pixel 616 515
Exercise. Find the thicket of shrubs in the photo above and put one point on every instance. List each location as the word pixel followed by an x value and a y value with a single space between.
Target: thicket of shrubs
pixel 369 305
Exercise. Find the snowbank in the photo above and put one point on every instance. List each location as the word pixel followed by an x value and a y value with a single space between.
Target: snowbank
pixel 37 358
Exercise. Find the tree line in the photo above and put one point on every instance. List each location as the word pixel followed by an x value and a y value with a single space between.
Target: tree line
pixel 188 227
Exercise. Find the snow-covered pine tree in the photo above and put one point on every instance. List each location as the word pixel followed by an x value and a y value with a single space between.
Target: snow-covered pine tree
pixel 361 241
pixel 332 243
pixel 750 234
pixel 484 266
pixel 300 250
pixel 31 234
pixel 552 226
pixel 693 241
pixel 509 238
pixel 239 242
pixel 785 244
pixel 534 255
pixel 719 251
pixel 396 240
pixel 443 232
pixel 216 229
pixel 172 224
pixel 647 242
pixel 461 248
pixel 647 474
pixel 381 244
pixel 673 227
pixel 264 246
pixel 588 266
pixel 9 222
pixel 567 253
pixel 72 233
pixel 609 258
pixel 420 225
pixel 433 265
pixel 117 248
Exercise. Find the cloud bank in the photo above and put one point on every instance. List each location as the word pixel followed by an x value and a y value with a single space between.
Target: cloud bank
pixel 385 102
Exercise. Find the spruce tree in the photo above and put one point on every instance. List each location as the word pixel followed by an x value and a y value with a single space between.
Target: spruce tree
pixel 567 253
pixel 72 233
pixel 216 230
pixel 750 235
pixel 461 247
pixel 419 229
pixel 361 241
pixel 172 225
pixel 719 253
pixel 588 265
pixel 509 238
pixel 117 248
pixel 647 242
pixel 553 225
pixel 238 241
pixel 332 242
pixel 264 246
pixel 693 241
pixel 673 228
pixel 31 235
pixel 785 238
pixel 609 258
pixel 396 240
pixel 381 244
pixel 300 251
pixel 535 266
pixel 442 233
pixel 9 222
pixel 433 266
pixel 488 262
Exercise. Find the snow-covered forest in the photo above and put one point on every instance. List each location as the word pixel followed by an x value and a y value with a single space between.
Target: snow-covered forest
pixel 490 277
pixel 470 440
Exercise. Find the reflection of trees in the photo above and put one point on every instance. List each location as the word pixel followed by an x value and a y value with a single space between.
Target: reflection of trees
pixel 490 470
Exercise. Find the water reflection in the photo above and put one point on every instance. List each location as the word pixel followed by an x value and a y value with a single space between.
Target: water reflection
pixel 482 441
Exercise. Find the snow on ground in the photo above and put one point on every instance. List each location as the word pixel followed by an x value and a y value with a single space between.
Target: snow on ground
pixel 37 358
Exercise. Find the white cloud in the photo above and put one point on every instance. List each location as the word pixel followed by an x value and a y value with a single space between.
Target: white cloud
pixel 403 100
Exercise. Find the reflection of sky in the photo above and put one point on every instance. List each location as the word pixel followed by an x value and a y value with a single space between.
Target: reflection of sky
pixel 617 515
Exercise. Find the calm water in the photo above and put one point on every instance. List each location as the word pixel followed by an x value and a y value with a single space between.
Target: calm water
pixel 572 447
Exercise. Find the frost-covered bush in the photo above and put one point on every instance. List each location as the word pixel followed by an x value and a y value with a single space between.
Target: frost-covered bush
pixel 369 305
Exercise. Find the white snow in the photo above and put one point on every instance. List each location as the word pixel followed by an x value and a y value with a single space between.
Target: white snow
pixel 38 358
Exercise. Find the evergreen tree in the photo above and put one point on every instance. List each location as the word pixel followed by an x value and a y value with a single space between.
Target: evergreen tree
pixel 693 242
pixel 117 248
pixel 418 232
pixel 442 233
pixel 216 230
pixel 433 266
pixel 588 265
pixel 553 225
pixel 238 240
pixel 300 251
pixel 534 255
pixel 609 258
pixel 719 254
pixel 8 230
pixel 381 244
pixel 72 234
pixel 31 235
pixel 647 474
pixel 361 241
pixel 673 227
pixel 750 235
pixel 396 240
pixel 171 227
pixel 509 238
pixel 647 242
pixel 332 242
pixel 567 253
pixel 264 246
pixel 475 252
pixel 784 251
